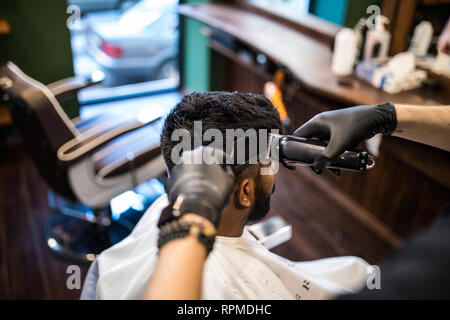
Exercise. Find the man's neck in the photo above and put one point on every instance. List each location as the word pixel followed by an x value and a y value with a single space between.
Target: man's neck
pixel 232 224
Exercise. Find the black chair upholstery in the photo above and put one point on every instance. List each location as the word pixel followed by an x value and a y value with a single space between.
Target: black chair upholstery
pixel 43 128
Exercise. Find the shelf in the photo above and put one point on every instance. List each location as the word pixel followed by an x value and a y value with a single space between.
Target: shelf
pixel 308 60
pixel 230 54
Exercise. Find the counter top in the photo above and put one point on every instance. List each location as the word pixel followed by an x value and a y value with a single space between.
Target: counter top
pixel 308 60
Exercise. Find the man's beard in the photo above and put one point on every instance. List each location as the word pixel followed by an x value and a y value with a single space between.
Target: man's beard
pixel 262 202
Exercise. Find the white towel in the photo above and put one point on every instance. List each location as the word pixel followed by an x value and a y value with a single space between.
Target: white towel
pixel 237 268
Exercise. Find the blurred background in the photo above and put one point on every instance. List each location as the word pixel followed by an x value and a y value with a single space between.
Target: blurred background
pixel 149 53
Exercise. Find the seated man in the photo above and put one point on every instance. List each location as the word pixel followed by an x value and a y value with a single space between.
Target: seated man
pixel 238 267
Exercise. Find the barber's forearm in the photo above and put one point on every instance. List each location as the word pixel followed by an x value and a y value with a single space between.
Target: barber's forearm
pixel 424 124
pixel 179 271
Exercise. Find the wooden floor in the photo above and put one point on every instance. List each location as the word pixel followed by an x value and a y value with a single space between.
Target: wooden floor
pixel 322 223
pixel 28 270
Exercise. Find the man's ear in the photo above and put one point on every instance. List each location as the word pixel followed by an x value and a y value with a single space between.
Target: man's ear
pixel 243 194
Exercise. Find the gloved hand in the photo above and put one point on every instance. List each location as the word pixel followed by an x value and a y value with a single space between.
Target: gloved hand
pixel 344 129
pixel 203 188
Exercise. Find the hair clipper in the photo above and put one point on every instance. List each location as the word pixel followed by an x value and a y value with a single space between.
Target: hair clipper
pixel 292 150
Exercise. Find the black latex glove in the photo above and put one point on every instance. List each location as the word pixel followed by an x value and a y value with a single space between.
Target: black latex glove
pixel 344 129
pixel 204 188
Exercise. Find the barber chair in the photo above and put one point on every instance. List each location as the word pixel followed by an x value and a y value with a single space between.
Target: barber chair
pixel 86 162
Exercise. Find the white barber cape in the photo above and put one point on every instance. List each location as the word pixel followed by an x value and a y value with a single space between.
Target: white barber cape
pixel 237 268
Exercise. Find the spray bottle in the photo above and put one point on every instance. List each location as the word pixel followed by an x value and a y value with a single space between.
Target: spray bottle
pixel 345 52
pixel 377 41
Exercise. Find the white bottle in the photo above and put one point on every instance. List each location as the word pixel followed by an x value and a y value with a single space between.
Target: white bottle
pixel 377 41
pixel 421 40
pixel 345 50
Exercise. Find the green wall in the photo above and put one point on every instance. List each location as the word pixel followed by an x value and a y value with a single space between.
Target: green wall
pixel 196 57
pixel 356 9
pixel 330 10
pixel 342 12
pixel 196 54
pixel 39 42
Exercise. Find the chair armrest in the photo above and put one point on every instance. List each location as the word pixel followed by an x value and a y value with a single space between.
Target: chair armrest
pixel 65 88
pixel 96 137
pixel 97 121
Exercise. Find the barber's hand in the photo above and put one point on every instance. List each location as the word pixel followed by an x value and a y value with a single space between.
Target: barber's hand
pixel 198 187
pixel 344 129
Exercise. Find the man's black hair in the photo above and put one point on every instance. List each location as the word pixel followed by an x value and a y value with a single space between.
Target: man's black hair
pixel 218 110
